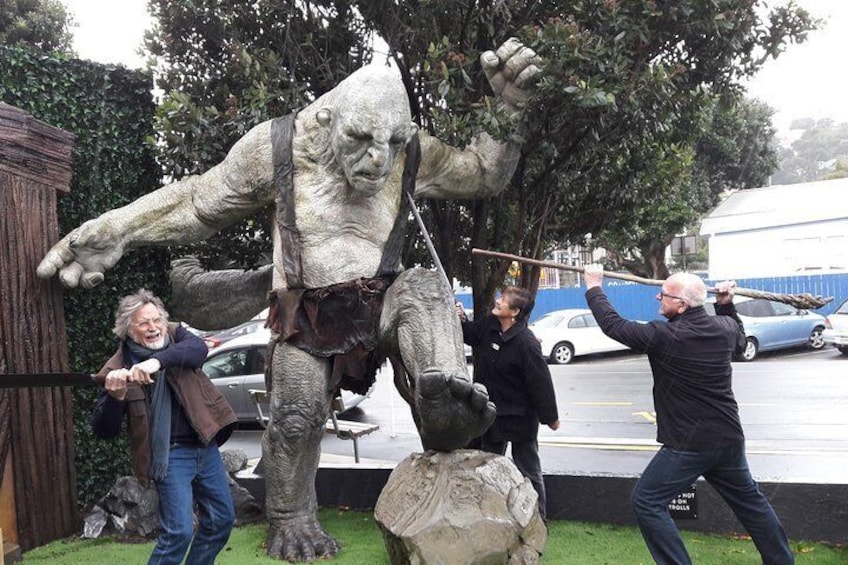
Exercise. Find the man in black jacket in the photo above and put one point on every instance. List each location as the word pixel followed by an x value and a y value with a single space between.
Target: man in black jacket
pixel 697 416
pixel 519 383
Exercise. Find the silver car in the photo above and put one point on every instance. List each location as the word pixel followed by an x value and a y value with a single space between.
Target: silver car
pixel 836 328
pixel 238 365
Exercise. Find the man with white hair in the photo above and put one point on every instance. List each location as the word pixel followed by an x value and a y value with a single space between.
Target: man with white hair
pixel 697 416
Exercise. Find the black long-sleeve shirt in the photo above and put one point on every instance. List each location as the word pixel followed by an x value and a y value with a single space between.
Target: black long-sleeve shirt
pixel 516 376
pixel 690 358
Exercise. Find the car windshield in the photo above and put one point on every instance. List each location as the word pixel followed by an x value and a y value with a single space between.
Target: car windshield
pixel 843 308
pixel 548 320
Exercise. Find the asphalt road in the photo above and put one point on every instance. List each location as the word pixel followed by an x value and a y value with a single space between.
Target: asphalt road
pixel 792 404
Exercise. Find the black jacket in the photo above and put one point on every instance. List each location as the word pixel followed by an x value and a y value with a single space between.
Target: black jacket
pixel 516 376
pixel 690 358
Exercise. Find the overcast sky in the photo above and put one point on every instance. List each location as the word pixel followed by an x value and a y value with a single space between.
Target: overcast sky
pixel 806 81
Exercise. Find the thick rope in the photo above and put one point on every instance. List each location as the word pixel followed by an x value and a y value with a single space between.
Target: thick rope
pixel 805 301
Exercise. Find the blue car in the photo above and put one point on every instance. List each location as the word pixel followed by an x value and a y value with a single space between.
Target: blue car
pixel 773 325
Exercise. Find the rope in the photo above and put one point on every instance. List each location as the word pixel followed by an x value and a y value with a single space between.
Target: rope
pixel 804 301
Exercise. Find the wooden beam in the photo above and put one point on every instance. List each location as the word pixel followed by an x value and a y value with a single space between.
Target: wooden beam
pixel 33 150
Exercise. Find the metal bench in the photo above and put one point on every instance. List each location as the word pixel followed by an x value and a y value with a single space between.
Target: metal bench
pixel 343 429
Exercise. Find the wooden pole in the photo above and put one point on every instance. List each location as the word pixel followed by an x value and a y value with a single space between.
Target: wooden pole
pixel 804 301
pixel 37 425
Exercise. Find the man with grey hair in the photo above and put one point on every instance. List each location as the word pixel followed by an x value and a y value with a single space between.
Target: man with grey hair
pixel 697 417
pixel 176 419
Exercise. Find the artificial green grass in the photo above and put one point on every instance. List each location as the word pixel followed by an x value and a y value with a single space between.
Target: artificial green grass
pixel 568 543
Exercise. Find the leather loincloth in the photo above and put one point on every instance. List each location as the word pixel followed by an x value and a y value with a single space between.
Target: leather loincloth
pixel 340 322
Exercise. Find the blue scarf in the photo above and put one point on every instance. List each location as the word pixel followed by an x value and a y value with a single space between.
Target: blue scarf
pixel 160 410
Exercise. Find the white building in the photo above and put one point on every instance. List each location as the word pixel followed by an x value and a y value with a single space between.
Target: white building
pixel 779 230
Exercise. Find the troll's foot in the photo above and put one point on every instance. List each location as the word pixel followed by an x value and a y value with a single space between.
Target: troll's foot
pixel 300 539
pixel 452 409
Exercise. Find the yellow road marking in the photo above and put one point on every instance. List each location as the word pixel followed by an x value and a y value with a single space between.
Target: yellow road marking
pixel 650 416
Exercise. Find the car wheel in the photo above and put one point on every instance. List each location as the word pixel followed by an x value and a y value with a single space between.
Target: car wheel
pixel 562 354
pixel 816 339
pixel 843 349
pixel 751 350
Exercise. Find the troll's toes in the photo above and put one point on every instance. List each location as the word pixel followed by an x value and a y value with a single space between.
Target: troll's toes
pixel 452 409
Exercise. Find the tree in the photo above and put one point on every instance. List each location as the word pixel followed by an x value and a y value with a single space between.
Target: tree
pixel 816 154
pixel 43 24
pixel 640 235
pixel 733 148
pixel 651 75
pixel 840 170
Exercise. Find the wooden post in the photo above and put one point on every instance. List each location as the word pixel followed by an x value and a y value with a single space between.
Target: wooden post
pixel 9 542
pixel 7 504
pixel 36 425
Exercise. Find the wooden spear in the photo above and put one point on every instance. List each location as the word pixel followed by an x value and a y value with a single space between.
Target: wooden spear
pixel 804 301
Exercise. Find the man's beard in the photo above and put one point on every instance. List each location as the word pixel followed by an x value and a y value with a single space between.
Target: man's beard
pixel 158 344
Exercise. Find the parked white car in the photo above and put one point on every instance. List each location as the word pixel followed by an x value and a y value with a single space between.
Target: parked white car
pixel 565 334
pixel 836 328
pixel 238 365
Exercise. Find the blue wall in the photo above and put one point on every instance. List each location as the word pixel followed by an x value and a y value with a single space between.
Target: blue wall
pixel 636 301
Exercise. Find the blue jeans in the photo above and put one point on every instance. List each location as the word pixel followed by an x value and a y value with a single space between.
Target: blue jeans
pixel 671 471
pixel 525 455
pixel 195 474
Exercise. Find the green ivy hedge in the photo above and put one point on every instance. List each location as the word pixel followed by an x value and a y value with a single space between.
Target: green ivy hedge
pixel 110 110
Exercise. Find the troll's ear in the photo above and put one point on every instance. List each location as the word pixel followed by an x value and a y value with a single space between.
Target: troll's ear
pixel 412 131
pixel 323 116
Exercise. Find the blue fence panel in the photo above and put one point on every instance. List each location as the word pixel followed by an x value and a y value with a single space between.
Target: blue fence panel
pixel 835 286
pixel 631 300
pixel 637 301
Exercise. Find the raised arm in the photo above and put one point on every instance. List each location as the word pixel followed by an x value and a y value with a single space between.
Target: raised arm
pixel 183 212
pixel 484 166
pixel 634 335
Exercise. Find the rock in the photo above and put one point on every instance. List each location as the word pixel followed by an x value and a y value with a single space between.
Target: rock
pixel 128 509
pixel 465 506
pixel 234 460
pixel 247 509
pixel 94 523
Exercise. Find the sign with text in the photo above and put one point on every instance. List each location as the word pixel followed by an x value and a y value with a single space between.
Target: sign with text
pixel 684 505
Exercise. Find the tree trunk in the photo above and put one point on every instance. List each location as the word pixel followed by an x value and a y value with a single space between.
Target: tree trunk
pixel 654 257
